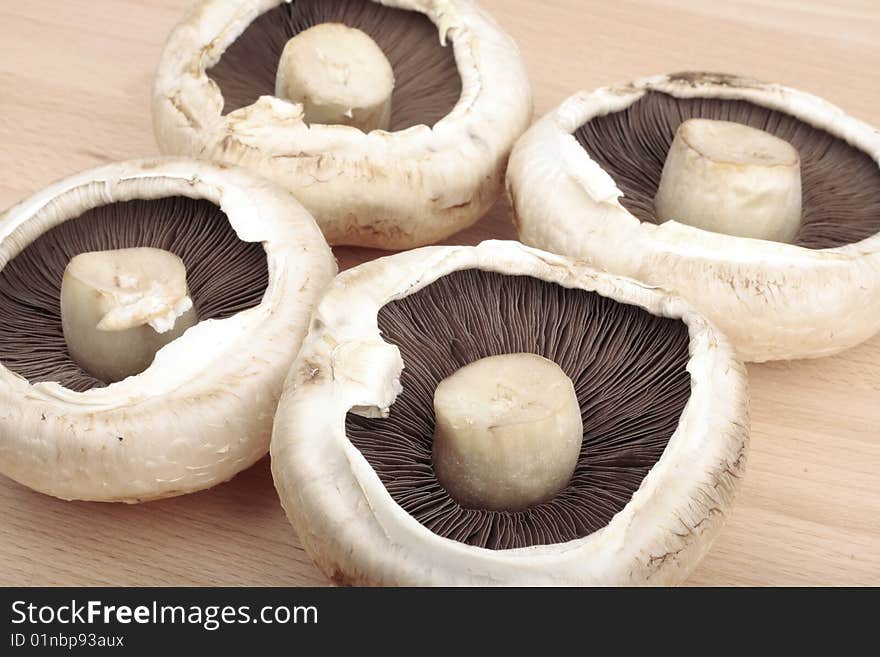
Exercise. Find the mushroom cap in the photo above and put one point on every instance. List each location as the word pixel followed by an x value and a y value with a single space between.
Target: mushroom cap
pixel 772 300
pixel 202 412
pixel 358 534
pixel 391 190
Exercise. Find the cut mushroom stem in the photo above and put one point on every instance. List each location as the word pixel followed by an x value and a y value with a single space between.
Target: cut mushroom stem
pixel 508 432
pixel 731 178
pixel 339 75
pixel 118 308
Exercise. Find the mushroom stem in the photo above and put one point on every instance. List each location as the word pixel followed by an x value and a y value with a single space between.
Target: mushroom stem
pixel 508 432
pixel 339 75
pixel 731 178
pixel 118 308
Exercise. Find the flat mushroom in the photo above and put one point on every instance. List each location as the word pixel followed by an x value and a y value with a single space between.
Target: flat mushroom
pixel 493 341
pixel 149 312
pixel 758 203
pixel 390 137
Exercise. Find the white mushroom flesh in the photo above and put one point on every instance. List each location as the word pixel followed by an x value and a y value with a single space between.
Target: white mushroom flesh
pixel 508 432
pixel 731 178
pixel 339 75
pixel 120 307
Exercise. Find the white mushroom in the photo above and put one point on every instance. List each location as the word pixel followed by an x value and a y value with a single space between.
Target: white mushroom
pixel 202 411
pixel 460 100
pixel 815 296
pixel 349 380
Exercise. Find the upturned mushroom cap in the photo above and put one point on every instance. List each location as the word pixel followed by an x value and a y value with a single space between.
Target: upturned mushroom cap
pixel 814 297
pixel 358 533
pixel 202 411
pixel 432 175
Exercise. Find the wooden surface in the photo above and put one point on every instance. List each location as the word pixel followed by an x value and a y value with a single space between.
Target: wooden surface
pixel 75 78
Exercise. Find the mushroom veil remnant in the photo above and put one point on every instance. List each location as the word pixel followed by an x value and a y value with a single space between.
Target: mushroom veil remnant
pixel 392 122
pixel 758 203
pixel 149 311
pixel 500 415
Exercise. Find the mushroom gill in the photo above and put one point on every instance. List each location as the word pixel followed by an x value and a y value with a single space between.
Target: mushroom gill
pixel 225 276
pixel 427 81
pixel 841 184
pixel 629 370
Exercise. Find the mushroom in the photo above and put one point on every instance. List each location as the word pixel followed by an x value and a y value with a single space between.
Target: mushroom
pixel 390 137
pixel 188 283
pixel 377 395
pixel 758 203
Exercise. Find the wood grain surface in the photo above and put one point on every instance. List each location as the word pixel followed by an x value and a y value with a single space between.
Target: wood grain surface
pixel 75 80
